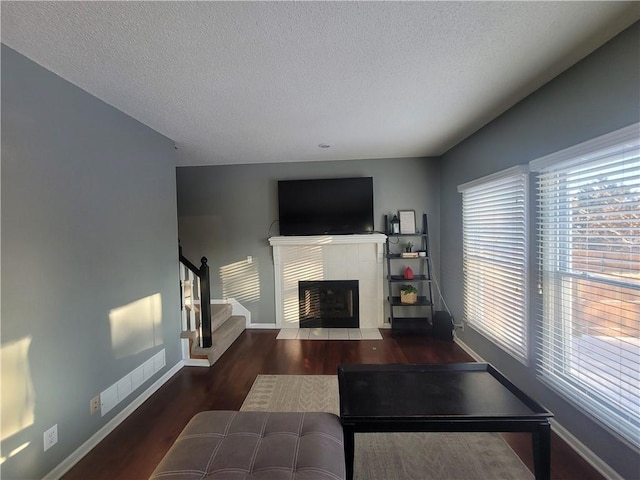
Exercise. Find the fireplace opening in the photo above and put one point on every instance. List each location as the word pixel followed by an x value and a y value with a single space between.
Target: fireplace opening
pixel 329 304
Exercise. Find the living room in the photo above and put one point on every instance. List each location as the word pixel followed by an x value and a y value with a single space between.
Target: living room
pixel 91 222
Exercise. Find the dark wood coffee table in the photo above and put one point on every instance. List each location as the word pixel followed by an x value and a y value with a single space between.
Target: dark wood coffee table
pixel 455 397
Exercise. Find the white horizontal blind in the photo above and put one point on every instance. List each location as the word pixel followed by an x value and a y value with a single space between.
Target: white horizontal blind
pixel 589 251
pixel 494 228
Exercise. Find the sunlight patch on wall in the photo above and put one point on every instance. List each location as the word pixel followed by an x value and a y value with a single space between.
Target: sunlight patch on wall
pixel 14 452
pixel 240 280
pixel 307 265
pixel 136 327
pixel 18 395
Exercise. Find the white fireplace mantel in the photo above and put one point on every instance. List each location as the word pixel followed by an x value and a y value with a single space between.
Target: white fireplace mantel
pixel 375 238
pixel 329 257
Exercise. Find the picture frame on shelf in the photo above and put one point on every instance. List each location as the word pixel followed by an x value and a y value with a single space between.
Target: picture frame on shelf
pixel 407 221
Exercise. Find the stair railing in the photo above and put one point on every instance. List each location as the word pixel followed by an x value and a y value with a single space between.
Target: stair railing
pixel 202 273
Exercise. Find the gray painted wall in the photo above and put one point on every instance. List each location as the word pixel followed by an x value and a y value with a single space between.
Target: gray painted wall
pixel 88 226
pixel 226 213
pixel 598 95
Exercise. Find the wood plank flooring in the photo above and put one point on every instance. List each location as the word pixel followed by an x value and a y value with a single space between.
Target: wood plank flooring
pixel 135 447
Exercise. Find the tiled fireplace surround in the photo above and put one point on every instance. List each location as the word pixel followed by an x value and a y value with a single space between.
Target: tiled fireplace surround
pixel 329 257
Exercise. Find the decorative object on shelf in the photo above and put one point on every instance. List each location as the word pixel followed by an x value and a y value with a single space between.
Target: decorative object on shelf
pixel 395 225
pixel 408 273
pixel 408 247
pixel 422 253
pixel 409 254
pixel 407 221
pixel 408 294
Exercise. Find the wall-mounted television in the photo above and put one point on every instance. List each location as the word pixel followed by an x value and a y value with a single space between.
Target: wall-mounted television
pixel 334 206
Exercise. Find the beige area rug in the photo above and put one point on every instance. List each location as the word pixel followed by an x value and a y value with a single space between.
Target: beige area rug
pixel 393 456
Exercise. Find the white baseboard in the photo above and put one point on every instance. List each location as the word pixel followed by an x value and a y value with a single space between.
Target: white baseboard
pixel 580 448
pixel 101 434
pixel 271 326
pixel 196 362
pixel 469 350
pixel 591 458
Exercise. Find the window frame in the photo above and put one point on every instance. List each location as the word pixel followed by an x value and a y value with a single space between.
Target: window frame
pixel 570 361
pixel 505 322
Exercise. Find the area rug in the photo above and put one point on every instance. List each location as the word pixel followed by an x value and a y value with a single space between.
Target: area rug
pixel 393 456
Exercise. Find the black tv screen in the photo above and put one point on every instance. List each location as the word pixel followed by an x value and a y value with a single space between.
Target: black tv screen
pixel 325 206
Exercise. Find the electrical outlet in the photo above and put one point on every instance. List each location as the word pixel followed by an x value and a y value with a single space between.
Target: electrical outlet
pixel 50 437
pixel 94 404
pixel 249 259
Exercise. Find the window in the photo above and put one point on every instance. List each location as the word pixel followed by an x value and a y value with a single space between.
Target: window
pixel 494 230
pixel 589 237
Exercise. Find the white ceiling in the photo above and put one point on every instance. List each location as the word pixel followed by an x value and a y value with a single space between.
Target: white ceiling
pixel 249 82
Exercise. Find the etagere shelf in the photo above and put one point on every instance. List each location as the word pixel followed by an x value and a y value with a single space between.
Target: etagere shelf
pixel 416 316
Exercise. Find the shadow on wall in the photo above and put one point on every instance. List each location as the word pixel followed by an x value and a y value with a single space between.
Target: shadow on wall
pixel 241 281
pixel 18 397
pixel 137 326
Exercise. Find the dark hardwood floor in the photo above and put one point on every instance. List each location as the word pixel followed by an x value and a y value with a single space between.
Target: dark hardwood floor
pixel 136 446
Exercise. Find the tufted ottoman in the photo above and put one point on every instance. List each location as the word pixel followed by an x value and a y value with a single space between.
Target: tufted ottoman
pixel 229 445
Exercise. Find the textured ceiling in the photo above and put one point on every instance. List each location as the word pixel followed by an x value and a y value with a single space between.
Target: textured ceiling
pixel 248 82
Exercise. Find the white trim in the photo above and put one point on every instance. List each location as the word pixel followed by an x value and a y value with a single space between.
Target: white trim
pixel 196 362
pixel 237 309
pixel 591 458
pixel 469 350
pixel 184 348
pixel 580 448
pixel 264 325
pixel 278 284
pixel 110 426
pixel 509 172
pixel 607 140
pixel 379 238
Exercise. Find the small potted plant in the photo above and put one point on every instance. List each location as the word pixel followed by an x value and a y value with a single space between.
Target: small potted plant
pixel 408 294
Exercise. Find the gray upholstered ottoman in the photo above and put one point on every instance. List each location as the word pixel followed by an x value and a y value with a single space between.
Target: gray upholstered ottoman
pixel 226 445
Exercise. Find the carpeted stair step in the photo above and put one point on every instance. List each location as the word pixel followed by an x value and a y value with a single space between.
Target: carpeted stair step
pixel 224 336
pixel 220 313
pixel 225 329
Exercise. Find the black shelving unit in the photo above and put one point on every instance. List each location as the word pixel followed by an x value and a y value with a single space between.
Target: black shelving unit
pixel 416 316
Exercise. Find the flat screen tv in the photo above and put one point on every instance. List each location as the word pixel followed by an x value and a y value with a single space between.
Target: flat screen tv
pixel 326 206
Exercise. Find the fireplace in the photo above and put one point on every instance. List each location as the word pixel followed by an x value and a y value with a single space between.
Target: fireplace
pixel 329 257
pixel 329 304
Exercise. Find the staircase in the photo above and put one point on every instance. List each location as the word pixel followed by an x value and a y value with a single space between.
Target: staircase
pixel 225 328
pixel 209 327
